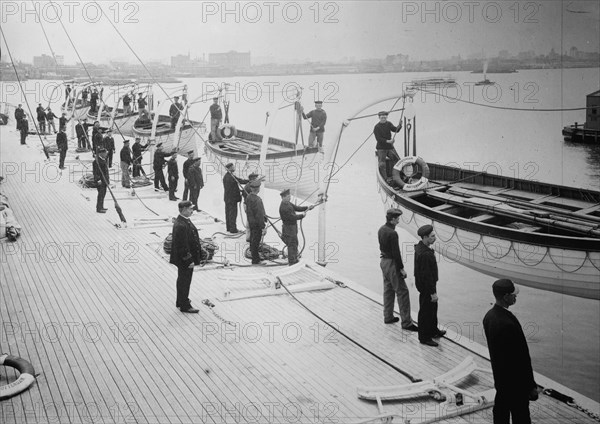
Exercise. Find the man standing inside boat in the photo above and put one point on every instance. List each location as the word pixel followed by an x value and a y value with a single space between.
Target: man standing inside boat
pixel 392 267
pixel 509 354
pixel 385 143
pixel 426 277
pixel 101 178
pixel 232 196
pixel 257 218
pixel 216 115
pixel 185 253
pixel 289 227
pixel 175 112
pixel 318 119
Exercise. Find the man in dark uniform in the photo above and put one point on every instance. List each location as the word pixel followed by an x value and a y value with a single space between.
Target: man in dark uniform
pixel 173 172
pixel 247 190
pixel 126 161
pixel 186 167
pixel 94 100
pixel 62 122
pixel 67 93
pixel 141 104
pixel 509 354
pixel 385 144
pixel 84 96
pixel 232 196
pixel 19 114
pixel 175 111
pixel 24 129
pixel 41 118
pixel 138 151
pixel 81 133
pixel 426 276
pixel 50 119
pixel 126 104
pixel 97 138
pixel 392 267
pixel 109 145
pixel 63 145
pixel 195 182
pixel 102 179
pixel 216 115
pixel 185 253
pixel 257 218
pixel 157 165
pixel 289 227
pixel 318 119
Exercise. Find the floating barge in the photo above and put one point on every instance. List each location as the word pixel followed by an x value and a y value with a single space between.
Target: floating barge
pixel 91 307
pixel 589 132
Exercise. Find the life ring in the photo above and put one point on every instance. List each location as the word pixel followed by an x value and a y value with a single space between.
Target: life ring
pixel 398 174
pixel 21 384
pixel 227 131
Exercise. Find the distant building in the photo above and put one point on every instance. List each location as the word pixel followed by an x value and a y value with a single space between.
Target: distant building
pixel 43 61
pixel 230 60
pixel 592 117
pixel 180 61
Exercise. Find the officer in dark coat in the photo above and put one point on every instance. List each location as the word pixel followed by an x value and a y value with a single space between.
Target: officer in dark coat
pixel 195 182
pixel 24 129
pixel 62 122
pixel 257 218
pixel 126 161
pixel 19 114
pixel 186 167
pixel 101 178
pixel 173 172
pixel 109 145
pixel 509 354
pixel 157 165
pixel 232 196
pixel 185 253
pixel 289 228
pixel 63 145
pixel 81 133
pixel 138 150
pixel 426 277
pixel 97 138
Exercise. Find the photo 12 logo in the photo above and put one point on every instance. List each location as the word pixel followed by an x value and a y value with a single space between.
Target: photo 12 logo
pixel 270 12
pixel 470 11
pixel 70 11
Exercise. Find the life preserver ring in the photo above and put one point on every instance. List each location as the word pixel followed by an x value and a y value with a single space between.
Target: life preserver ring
pixel 22 383
pixel 227 131
pixel 398 174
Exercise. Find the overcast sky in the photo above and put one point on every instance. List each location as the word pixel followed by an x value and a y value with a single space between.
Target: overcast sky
pixel 304 30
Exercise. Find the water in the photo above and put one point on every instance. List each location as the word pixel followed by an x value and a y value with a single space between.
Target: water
pixel 563 331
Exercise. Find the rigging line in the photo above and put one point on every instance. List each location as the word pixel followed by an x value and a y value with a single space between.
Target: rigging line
pixel 23 94
pixel 374 114
pixel 503 107
pixel 350 339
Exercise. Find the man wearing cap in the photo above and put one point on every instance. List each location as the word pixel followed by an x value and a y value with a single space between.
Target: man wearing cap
pixel 41 117
pixel 141 102
pixel 255 211
pixel 97 138
pixel 109 145
pixel 175 111
pixel 232 196
pixel 195 182
pixel 247 190
pixel 157 164
pixel 509 354
pixel 101 178
pixel 50 119
pixel 138 151
pixel 126 162
pixel 63 145
pixel 385 144
pixel 426 276
pixel 185 253
pixel 289 227
pixel 173 172
pixel 126 104
pixel 318 118
pixel 19 114
pixel 80 132
pixel 62 121
pixel 24 128
pixel 186 167
pixel 216 115
pixel 392 268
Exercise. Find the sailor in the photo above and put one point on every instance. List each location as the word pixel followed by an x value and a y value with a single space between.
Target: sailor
pixel 126 104
pixel 141 104
pixel 62 121
pixel 50 118
pixel 289 228
pixel 318 119
pixel 157 165
pixel 216 115
pixel 257 218
pixel 24 129
pixel 195 182
pixel 19 114
pixel 426 277
pixel 138 151
pixel 175 111
pixel 232 196
pixel 385 144
pixel 94 100
pixel 126 162
pixel 41 118
pixel 186 167
pixel 109 145
pixel 101 178
pixel 67 92
pixel 185 254
pixel 63 146
pixel 394 275
pixel 247 190
pixel 509 354
pixel 173 172
pixel 81 133
pixel 97 138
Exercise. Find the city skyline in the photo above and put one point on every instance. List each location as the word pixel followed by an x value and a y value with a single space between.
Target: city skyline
pixel 297 31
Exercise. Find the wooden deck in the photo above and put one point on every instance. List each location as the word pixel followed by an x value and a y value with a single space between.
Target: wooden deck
pixel 92 308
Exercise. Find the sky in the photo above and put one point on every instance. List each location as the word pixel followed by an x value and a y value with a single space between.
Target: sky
pixel 291 31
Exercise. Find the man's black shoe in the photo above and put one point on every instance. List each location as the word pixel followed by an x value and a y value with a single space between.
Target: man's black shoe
pixel 411 327
pixel 429 343
pixel 195 311
pixel 391 321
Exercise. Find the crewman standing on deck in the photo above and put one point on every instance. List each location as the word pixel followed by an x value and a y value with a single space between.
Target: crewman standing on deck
pixel 231 196
pixel 195 182
pixel 19 114
pixel 157 164
pixel 186 167
pixel 126 161
pixel 109 145
pixel 63 145
pixel 101 178
pixel 257 218
pixel 24 129
pixel 138 152
pixel 173 172
pixel 289 227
